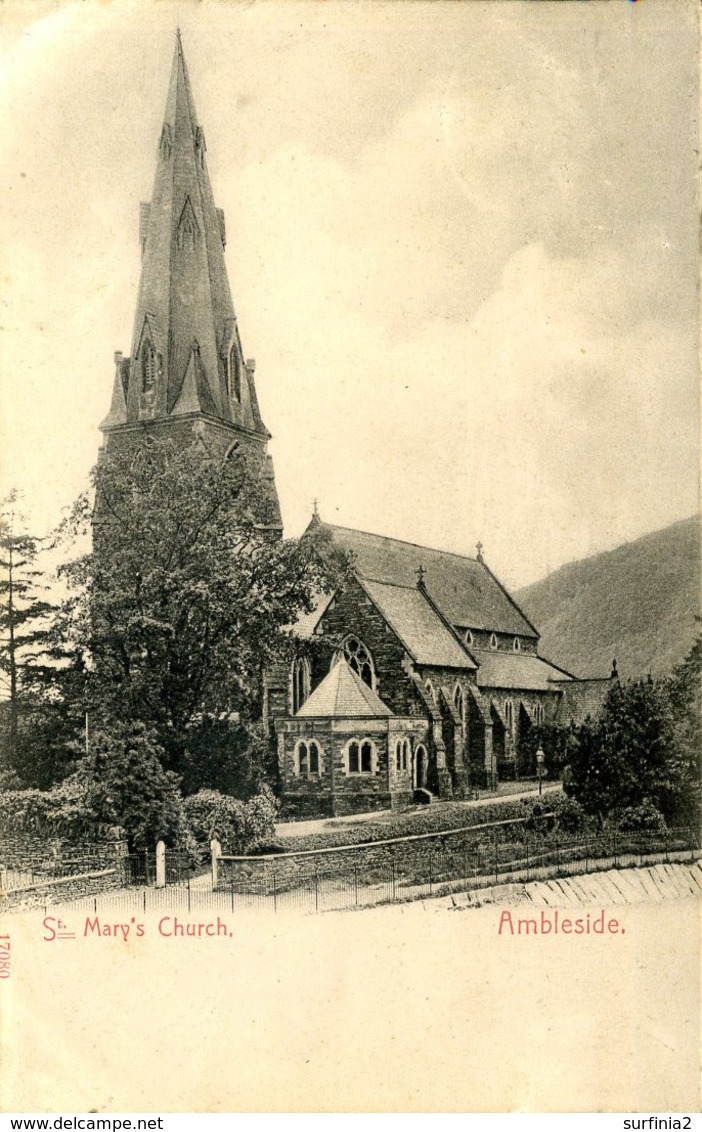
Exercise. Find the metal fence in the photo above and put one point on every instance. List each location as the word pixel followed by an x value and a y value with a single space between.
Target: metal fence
pixel 140 868
pixel 364 876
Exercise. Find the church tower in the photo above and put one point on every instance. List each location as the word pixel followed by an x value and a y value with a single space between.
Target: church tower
pixel 187 376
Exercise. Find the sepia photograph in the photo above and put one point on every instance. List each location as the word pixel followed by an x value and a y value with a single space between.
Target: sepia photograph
pixel 350 634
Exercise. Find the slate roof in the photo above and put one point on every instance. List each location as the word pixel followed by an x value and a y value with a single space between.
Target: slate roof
pixel 306 623
pixel 414 620
pixel 519 671
pixel 582 698
pixel 465 590
pixel 343 695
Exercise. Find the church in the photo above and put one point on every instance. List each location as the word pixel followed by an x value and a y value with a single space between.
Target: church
pixel 419 677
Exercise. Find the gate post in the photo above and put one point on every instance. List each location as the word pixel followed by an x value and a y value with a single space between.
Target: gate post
pixel 160 864
pixel 216 851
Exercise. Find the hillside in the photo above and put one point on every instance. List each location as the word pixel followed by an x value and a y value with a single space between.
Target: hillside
pixel 636 603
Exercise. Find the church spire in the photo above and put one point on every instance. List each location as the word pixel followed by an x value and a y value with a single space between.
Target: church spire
pixel 186 352
pixel 187 368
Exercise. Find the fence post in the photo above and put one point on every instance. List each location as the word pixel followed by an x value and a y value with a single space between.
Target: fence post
pixel 355 882
pixel 275 892
pixel 231 885
pixel 526 851
pixel 495 854
pixel 160 864
pixel 216 853
pixel 392 862
pixel 188 893
pixel 316 889
pixel 146 866
pixel 431 871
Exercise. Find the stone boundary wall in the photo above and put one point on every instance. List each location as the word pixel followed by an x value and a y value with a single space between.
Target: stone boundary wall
pixel 33 852
pixel 37 870
pixel 62 889
pixel 437 858
pixel 419 854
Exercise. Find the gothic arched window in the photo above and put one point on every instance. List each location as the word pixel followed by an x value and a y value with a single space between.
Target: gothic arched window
pixel 359 658
pixel 493 641
pixel 458 700
pixel 149 365
pixel 360 756
pixel 468 637
pixel 300 682
pixel 516 644
pixel 406 753
pixel 509 714
pixel 308 757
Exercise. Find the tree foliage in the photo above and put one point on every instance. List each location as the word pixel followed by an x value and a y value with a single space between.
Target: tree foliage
pixel 184 601
pixel 122 782
pixel 240 827
pixel 556 743
pixel 642 753
pixel 23 632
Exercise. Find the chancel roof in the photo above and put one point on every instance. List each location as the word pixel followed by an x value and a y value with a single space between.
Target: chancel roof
pixel 467 593
pixel 519 671
pixel 343 695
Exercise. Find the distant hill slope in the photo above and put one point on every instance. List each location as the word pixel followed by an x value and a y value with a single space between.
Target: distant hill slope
pixel 636 603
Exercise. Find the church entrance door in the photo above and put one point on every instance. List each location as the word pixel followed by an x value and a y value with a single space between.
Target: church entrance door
pixel 419 778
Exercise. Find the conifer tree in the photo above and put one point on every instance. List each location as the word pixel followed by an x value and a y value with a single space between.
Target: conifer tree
pixel 23 613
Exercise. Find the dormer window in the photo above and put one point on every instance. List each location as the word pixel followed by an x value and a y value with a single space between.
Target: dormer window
pixel 468 637
pixel 149 365
pixel 493 641
pixel 516 645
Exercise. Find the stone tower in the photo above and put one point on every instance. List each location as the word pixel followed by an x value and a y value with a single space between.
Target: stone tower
pixel 187 376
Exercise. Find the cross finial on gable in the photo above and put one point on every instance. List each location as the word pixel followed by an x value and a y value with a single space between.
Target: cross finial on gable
pixel 315 508
pixel 420 576
pixel 479 548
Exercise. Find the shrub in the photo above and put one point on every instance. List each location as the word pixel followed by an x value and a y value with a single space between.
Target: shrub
pixel 63 811
pixel 240 827
pixel 640 819
pixel 558 815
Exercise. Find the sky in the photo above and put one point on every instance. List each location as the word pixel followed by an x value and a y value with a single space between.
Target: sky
pixel 462 244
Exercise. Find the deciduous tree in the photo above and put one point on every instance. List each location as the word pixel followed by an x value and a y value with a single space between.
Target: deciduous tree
pixel 185 599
